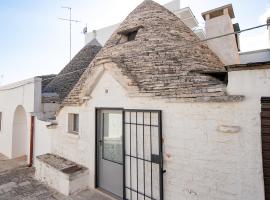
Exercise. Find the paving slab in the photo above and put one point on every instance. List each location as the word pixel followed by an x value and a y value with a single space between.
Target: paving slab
pixel 7 164
pixel 19 184
pixel 2 157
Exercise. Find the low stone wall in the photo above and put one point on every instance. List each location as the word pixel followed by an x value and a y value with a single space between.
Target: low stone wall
pixel 61 174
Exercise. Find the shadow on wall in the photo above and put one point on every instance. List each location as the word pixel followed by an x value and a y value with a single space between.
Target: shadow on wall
pixel 19 133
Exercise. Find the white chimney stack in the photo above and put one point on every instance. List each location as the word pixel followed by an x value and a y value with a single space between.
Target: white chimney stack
pixel 219 22
pixel 94 34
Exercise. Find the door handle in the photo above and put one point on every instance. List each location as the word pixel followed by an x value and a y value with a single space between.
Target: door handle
pixel 100 142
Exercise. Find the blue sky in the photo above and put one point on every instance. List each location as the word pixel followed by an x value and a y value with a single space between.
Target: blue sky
pixel 34 42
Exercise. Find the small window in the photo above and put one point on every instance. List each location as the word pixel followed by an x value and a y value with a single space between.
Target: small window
pixel 0 121
pixel 128 36
pixel 131 36
pixel 73 123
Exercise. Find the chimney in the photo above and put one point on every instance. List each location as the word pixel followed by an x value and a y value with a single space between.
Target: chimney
pixel 94 34
pixel 219 22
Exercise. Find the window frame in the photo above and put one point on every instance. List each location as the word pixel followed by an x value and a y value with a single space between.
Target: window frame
pixel 74 123
pixel 103 112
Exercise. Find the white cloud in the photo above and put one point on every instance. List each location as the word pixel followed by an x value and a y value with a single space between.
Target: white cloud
pixel 256 41
pixel 264 16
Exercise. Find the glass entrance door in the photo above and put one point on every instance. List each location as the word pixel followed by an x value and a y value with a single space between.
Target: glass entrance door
pixel 110 151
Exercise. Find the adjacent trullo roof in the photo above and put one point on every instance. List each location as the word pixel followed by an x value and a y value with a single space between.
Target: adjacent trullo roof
pixel 63 83
pixel 161 60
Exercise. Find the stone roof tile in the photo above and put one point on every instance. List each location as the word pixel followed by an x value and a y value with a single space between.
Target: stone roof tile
pixel 63 83
pixel 160 58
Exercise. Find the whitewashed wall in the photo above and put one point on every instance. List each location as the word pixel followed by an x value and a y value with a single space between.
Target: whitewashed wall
pixel 25 93
pixel 42 138
pixel 211 150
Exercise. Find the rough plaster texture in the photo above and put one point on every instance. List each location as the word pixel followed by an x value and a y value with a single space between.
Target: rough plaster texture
pixel 211 150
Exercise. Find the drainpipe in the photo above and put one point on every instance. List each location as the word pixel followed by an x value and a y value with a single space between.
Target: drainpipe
pixel 32 141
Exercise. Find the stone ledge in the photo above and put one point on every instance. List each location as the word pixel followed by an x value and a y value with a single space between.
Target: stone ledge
pixel 61 174
pixel 249 66
pixel 209 99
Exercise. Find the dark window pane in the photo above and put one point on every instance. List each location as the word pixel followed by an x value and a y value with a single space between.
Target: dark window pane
pixel 132 35
pixel 76 122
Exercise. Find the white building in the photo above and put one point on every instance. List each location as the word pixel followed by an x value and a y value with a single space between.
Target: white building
pixel 18 102
pixel 151 116
pixel 36 97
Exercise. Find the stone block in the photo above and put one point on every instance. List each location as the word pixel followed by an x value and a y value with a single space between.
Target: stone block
pixel 61 174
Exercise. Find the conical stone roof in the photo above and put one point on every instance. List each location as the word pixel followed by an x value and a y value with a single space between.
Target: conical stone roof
pixel 63 83
pixel 161 60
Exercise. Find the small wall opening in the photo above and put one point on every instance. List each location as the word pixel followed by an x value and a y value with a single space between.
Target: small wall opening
pixel 128 35
pixel 19 133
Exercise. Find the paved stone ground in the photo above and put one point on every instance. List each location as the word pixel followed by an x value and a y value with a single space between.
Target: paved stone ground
pixel 7 164
pixel 18 183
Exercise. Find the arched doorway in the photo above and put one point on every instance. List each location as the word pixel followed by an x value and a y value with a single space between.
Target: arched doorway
pixel 19 135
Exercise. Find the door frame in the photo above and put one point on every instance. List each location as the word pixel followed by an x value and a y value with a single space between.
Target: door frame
pixel 265 101
pixel 161 161
pixel 161 169
pixel 97 109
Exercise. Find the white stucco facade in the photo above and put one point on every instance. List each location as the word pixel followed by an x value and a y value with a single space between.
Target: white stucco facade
pixel 42 138
pixel 18 102
pixel 211 150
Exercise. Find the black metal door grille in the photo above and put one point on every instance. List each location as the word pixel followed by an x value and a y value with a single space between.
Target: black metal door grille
pixel 265 129
pixel 143 161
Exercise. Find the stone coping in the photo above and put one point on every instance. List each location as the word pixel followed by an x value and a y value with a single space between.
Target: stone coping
pixel 20 83
pixel 64 165
pixel 206 99
pixel 248 66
